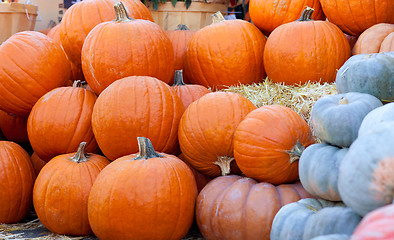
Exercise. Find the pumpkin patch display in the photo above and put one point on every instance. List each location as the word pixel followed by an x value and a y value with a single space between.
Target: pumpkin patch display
pixel 368 73
pixel 16 182
pixel 31 65
pixel 14 128
pixel 141 49
pixel 234 207
pixel 136 106
pixel 373 40
pixel 336 119
pixel 305 50
pixel 206 132
pixel 151 195
pixel 268 143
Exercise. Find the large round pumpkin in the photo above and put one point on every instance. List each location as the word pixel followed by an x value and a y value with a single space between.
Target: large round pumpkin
pixel 31 65
pixel 305 50
pixel 83 16
pixel 68 179
pixel 371 40
pixel 269 14
pixel 16 182
pixel 355 16
pixel 13 127
pixel 136 106
pixel 143 196
pixel 227 52
pixel 206 131
pixel 60 121
pixel 268 143
pixel 234 207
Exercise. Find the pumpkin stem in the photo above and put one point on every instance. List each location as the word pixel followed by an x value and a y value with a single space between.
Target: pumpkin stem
pixel 178 78
pixel 77 83
pixel 182 27
pixel 217 17
pixel 224 164
pixel 343 100
pixel 296 152
pixel 121 13
pixel 306 14
pixel 81 155
pixel 146 149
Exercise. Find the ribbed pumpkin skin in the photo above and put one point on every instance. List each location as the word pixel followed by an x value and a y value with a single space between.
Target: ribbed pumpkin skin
pixel 388 43
pixel 65 209
pixel 14 128
pixel 261 142
pixel 303 51
pixel 82 17
pixel 355 16
pixel 268 15
pixel 38 163
pixel 143 199
pixel 215 53
pixel 370 41
pixel 376 117
pixel 60 121
pixel 376 225
pixel 132 107
pixel 234 207
pixel 16 182
pixel 207 127
pixel 31 65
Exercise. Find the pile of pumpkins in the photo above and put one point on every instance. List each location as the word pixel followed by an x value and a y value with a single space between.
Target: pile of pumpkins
pixel 125 147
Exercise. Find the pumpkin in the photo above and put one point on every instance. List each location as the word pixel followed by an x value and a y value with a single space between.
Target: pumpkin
pixel 136 106
pixel 336 119
pixel 68 178
pixel 201 179
pixel 355 16
pixel 376 225
pixel 142 48
pixel 16 182
pixel 268 15
pixel 179 39
pixel 235 207
pixel 83 16
pixel 371 40
pixel 309 218
pixel 14 128
pixel 187 92
pixel 206 131
pixel 147 195
pixel 37 162
pixel 368 73
pixel 318 170
pixel 60 121
pixel 374 118
pixel 351 39
pixel 332 237
pixel 31 65
pixel 295 53
pixel 387 43
pixel 268 143
pixel 365 180
pixel 225 53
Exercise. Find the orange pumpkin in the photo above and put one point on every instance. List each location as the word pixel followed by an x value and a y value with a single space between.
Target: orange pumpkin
pixel 31 65
pixel 16 182
pixel 373 40
pixel 305 50
pixel 206 131
pixel 147 195
pixel 68 178
pixel 136 106
pixel 269 14
pixel 268 144
pixel 14 128
pixel 225 53
pixel 201 179
pixel 60 121
pixel 83 16
pixel 142 49
pixel 38 163
pixel 187 92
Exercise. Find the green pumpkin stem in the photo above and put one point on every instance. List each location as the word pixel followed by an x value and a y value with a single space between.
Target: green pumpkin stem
pixel 306 14
pixel 296 152
pixel 217 17
pixel 146 149
pixel 121 13
pixel 81 155
pixel 178 78
pixel 224 164
pixel 182 27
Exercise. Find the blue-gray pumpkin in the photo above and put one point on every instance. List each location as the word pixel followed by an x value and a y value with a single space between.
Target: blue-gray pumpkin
pixel 332 237
pixel 376 117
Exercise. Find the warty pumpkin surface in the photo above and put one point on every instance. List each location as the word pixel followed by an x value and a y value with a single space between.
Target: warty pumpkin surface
pixel 372 39
pixel 14 128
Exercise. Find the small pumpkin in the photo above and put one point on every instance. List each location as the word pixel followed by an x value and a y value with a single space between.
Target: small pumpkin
pixel 336 119
pixel 14 128
pixel 68 178
pixel 201 179
pixel 371 40
pixel 147 195
pixel 38 163
pixel 383 114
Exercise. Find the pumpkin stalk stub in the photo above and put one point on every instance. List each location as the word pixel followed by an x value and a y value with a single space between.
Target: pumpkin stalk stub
pixel 77 83
pixel 296 152
pixel 182 27
pixel 146 149
pixel 224 164
pixel 217 17
pixel 121 13
pixel 178 78
pixel 81 155
pixel 343 100
pixel 306 14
